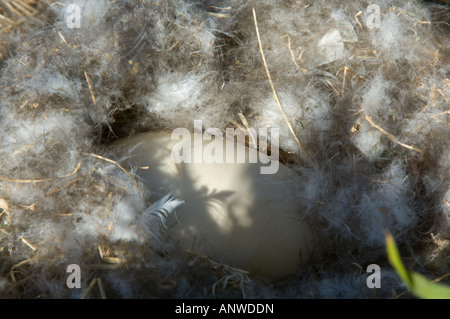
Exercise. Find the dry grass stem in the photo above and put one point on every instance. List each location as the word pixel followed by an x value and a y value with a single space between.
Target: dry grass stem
pixel 391 137
pixel 63 39
pixel 26 242
pixel 283 113
pixel 90 87
pixel 17 83
pixel 100 288
pixel 293 57
pixel 247 126
pixel 343 79
pixel 334 89
pixel 113 162
pixel 23 262
pixel 357 20
pixel 219 15
pixel 4 204
pixel 104 255
pixel 234 276
pixel 15 12
pixel 88 290
pixel 30 181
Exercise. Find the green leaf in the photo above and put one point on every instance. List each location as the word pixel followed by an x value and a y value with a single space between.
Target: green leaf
pixel 427 289
pixel 418 284
pixel 396 261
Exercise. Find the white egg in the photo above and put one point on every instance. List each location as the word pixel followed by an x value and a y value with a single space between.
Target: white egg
pixel 232 212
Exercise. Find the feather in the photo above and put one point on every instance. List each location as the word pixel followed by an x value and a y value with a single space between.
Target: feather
pixel 154 217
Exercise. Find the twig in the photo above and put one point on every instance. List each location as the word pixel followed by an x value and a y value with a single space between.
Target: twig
pixel 391 137
pixel 275 95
